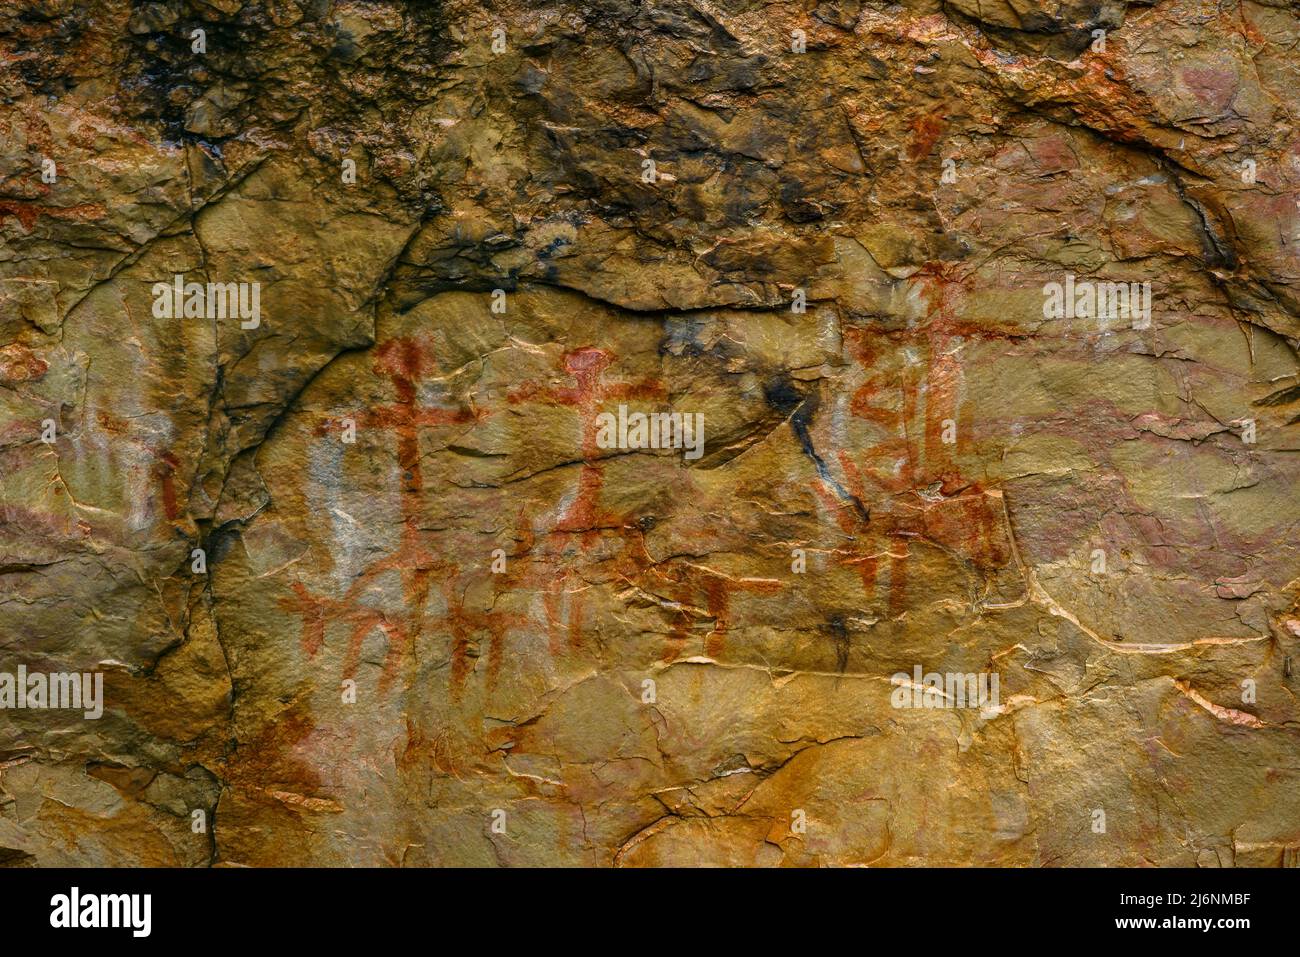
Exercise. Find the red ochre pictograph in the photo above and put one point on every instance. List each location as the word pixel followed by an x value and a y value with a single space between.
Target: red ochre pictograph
pixel 547 555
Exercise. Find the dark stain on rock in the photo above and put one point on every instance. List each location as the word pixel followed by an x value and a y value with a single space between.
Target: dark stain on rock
pixel 783 395
pixel 838 632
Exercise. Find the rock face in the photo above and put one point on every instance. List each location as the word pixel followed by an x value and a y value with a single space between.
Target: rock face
pixel 982 547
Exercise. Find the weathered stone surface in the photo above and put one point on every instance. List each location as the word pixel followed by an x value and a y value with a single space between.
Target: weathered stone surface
pixel 563 653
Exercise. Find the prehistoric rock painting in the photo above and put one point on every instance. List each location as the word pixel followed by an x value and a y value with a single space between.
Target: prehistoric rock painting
pixel 985 318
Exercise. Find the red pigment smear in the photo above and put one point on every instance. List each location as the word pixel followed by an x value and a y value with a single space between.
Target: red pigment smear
pixel 1215 88
pixel 166 472
pixel 861 405
pixel 20 364
pixel 464 624
pixel 28 214
pixel 313 618
pixel 927 130
pixel 687 584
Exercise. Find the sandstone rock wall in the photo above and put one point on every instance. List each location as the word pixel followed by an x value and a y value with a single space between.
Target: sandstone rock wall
pixel 367 585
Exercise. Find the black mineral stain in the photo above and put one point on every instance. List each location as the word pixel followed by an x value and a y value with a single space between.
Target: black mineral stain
pixel 839 635
pixel 783 395
pixel 219 543
pixel 259 75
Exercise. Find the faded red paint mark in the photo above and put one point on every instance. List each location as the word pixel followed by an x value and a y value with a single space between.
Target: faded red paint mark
pixel 317 611
pixel 465 624
pixel 165 470
pixel 19 364
pixel 701 593
pixel 1214 88
pixel 926 131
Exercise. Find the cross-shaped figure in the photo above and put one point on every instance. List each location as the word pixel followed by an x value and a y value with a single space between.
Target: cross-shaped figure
pixel 585 366
pixel 402 360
